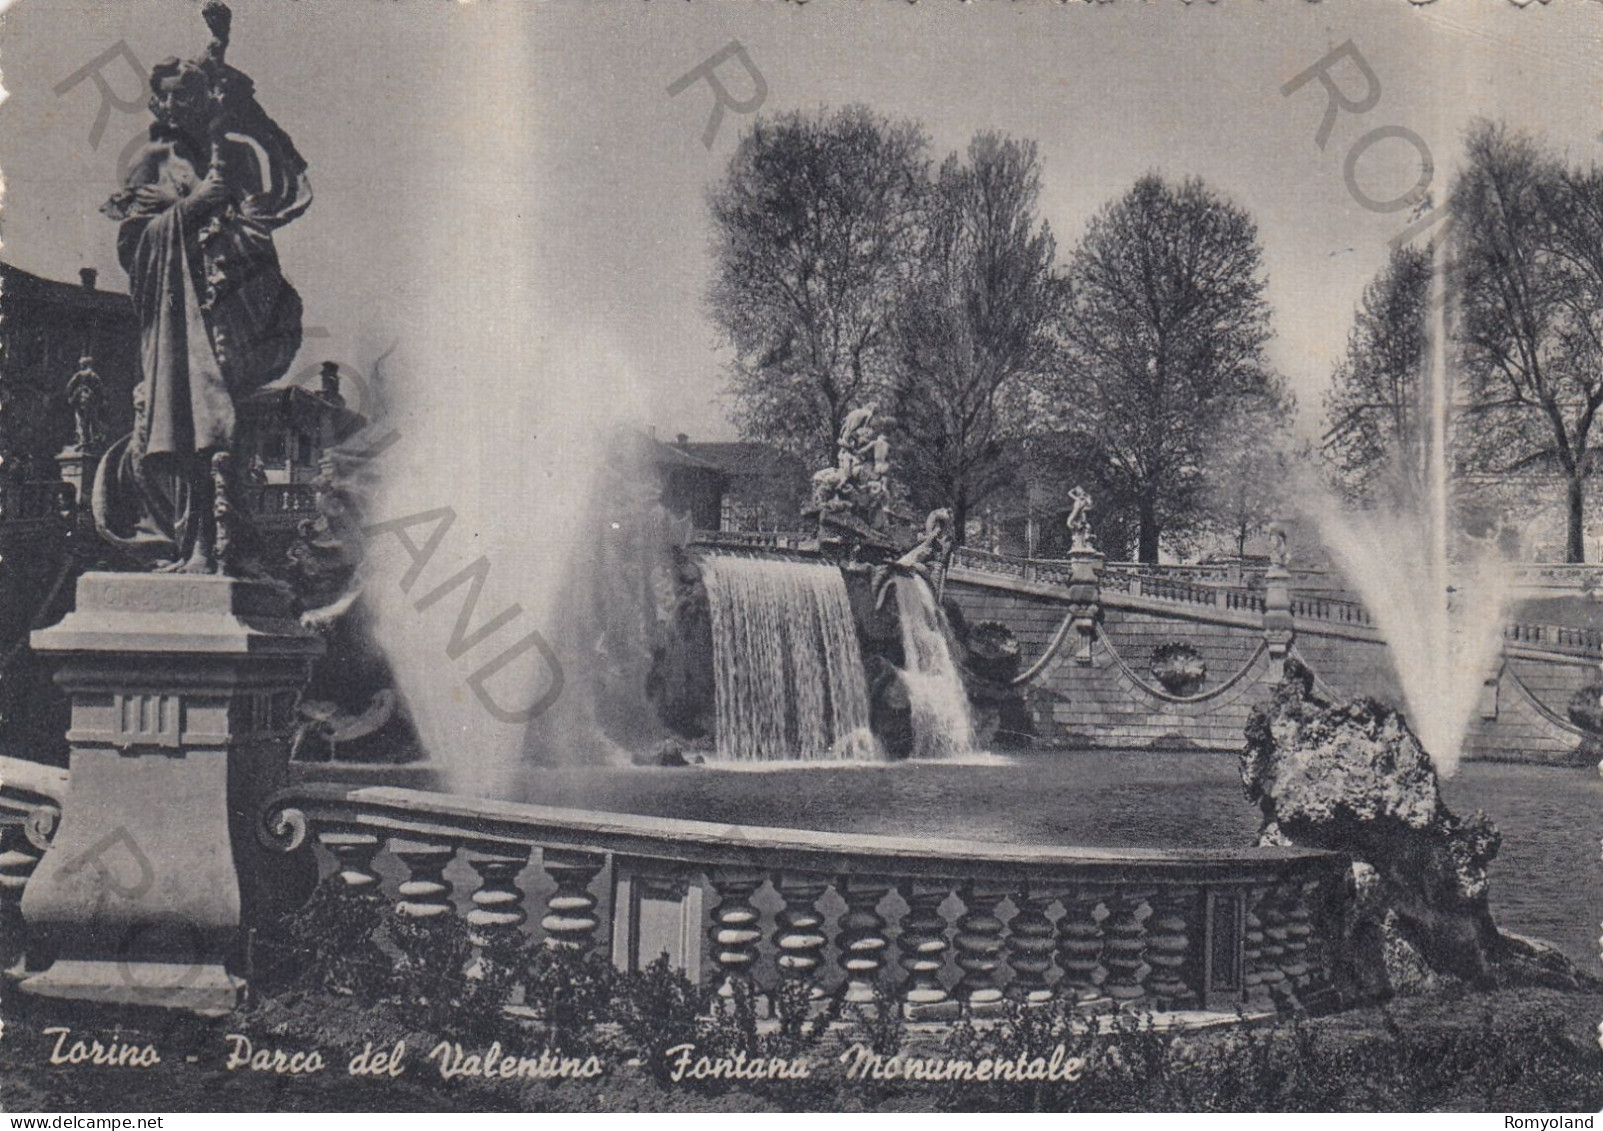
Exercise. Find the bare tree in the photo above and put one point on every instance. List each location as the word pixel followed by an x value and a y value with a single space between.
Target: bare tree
pixel 815 229
pixel 1376 443
pixel 1528 275
pixel 974 321
pixel 1161 338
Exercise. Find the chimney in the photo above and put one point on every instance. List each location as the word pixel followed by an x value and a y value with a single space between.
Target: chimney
pixel 87 276
pixel 681 439
pixel 330 376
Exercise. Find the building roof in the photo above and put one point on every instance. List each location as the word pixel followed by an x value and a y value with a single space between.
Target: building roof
pixel 743 457
pixel 17 285
pixel 675 455
pixel 295 399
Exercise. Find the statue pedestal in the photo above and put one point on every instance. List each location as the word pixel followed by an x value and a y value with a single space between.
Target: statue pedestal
pixel 78 471
pixel 1278 627
pixel 183 694
pixel 1085 597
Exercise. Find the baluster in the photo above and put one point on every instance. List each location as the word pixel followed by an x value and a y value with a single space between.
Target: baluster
pixel 734 930
pixel 570 919
pixel 979 945
pixel 923 943
pixel 1031 938
pixel 1293 906
pixel 353 853
pixel 1080 944
pixel 1125 949
pixel 425 893
pixel 862 939
pixel 18 858
pixel 798 931
pixel 498 912
pixel 1174 909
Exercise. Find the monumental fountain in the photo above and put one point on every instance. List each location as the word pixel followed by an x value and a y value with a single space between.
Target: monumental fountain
pixel 795 633
pixel 839 652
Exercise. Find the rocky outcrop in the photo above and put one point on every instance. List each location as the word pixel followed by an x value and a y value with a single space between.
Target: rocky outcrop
pixel 1352 778
pixel 680 683
pixel 990 658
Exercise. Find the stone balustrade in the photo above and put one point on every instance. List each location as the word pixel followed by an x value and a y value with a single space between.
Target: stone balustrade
pixel 755 539
pixel 44 501
pixel 941 927
pixel 277 505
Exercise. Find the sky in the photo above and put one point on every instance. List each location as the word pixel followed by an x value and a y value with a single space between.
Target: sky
pixel 513 182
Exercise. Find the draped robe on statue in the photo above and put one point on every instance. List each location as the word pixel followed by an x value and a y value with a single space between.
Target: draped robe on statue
pixel 217 320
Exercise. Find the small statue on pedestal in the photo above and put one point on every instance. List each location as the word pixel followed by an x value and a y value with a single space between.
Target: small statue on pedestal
pixel 1079 521
pixel 86 395
pixel 217 319
pixel 1279 552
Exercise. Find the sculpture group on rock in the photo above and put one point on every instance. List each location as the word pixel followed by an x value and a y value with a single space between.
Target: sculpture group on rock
pixel 855 492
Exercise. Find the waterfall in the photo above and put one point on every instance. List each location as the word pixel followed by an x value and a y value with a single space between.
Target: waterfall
pixel 789 683
pixel 942 727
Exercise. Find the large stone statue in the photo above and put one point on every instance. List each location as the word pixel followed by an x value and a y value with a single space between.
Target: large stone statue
pixel 217 319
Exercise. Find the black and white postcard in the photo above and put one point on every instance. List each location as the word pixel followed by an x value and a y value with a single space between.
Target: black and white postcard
pixel 778 557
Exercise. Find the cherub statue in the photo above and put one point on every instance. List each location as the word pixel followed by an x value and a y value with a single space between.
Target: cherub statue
pixel 1279 552
pixel 1079 520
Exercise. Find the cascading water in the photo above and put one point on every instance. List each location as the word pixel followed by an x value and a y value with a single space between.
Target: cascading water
pixel 789 683
pixel 1441 619
pixel 942 725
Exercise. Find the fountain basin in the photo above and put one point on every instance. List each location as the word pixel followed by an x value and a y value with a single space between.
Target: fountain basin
pixel 1541 884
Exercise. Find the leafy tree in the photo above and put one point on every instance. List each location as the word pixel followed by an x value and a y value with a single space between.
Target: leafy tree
pixel 1377 441
pixel 1528 280
pixel 973 321
pixel 1250 467
pixel 815 231
pixel 1161 339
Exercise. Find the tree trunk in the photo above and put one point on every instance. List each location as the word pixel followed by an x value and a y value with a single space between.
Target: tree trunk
pixel 960 519
pixel 1147 539
pixel 1575 543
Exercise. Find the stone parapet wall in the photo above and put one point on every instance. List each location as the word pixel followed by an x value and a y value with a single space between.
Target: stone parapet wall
pixel 1107 703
